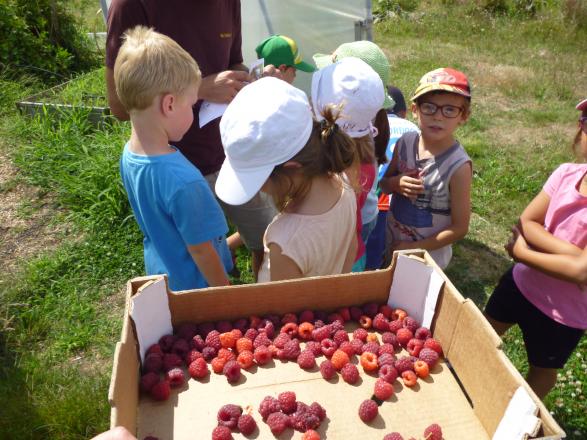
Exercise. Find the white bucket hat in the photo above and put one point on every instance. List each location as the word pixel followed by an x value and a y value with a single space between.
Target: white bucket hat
pixel 353 84
pixel 265 125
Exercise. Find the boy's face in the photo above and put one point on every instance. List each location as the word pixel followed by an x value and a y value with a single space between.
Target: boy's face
pixel 182 116
pixel 439 115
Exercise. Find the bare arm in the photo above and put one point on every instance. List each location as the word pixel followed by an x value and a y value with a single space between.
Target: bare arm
pixel 208 261
pixel 571 268
pixel 118 433
pixel 350 255
pixel 116 108
pixel 282 267
pixel 532 228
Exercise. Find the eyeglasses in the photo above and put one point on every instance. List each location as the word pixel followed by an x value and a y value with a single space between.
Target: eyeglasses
pixel 583 124
pixel 448 111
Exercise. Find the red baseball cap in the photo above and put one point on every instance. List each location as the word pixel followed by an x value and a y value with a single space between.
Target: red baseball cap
pixel 444 79
pixel 582 106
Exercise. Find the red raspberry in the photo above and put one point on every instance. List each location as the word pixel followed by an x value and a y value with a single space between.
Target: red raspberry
pixel 414 346
pixel 403 336
pixel 306 316
pixel 314 347
pixel 333 317
pixel 345 313
pixel 305 330
pixel 209 353
pixel 422 369
pixel 394 326
pixel 411 324
pixel 148 381
pixel 281 339
pixel 390 338
pixel 217 364
pixel 339 359
pixel 292 349
pixel 357 345
pixel 268 406
pixel 368 410
pixel 386 349
pixel 365 322
pixel 237 333
pixel 221 433
pixel 180 347
pixel 287 401
pixel 197 343
pixel 347 347
pixel 289 317
pixel 403 364
pixel 155 348
pixel 254 321
pixel 262 355
pixel 320 333
pixel 226 354
pixel 393 436
pixel 277 422
pixel 223 326
pixel 371 347
pixel 386 359
pixel 175 377
pixel 153 363
pixel 291 329
pixel 361 334
pixel 409 378
pixel 205 328
pixel 243 344
pixel 340 336
pixel 388 373
pixel 318 410
pixel 433 432
pixel 400 314
pixel 422 333
pixel 310 435
pixel 369 361
pixel 268 328
pixel 232 371
pixel 241 324
pixel 261 339
pixel 306 360
pixel 370 309
pixel 192 355
pixel 246 424
pixel 228 415
pixel 245 360
pixel 429 356
pixel 304 419
pixel 327 370
pixel 198 369
pixel 383 389
pixel 434 345
pixel 350 373
pixel 213 340
pixel 386 310
pixel 380 322
pixel 160 391
pixel 171 360
pixel 166 342
pixel 355 312
pixel 328 347
pixel 251 334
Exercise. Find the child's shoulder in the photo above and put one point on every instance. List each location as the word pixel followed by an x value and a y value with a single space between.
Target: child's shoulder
pixel 567 171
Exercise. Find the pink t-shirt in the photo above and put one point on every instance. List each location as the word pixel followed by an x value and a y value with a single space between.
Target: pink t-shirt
pixel 566 218
pixel 367 177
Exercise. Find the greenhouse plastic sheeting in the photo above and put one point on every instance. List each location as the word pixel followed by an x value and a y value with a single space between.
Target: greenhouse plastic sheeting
pixel 316 25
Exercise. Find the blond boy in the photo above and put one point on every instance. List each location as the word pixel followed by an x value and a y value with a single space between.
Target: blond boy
pixel 183 226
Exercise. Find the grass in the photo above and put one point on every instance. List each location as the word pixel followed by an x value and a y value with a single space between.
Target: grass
pixel 60 315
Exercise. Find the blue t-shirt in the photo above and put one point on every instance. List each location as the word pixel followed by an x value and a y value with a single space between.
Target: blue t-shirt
pixel 175 208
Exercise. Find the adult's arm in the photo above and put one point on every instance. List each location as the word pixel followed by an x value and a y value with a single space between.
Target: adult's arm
pixel 116 108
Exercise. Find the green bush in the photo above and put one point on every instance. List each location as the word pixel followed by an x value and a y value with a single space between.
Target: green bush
pixel 41 38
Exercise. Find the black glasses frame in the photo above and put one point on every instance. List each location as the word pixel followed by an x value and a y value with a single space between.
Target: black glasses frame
pixel 442 108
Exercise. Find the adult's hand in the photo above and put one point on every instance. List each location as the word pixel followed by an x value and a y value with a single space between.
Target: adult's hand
pixel 222 87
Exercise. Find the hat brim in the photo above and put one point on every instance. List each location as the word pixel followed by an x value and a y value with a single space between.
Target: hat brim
pixel 434 87
pixel 582 106
pixel 322 60
pixel 305 67
pixel 238 187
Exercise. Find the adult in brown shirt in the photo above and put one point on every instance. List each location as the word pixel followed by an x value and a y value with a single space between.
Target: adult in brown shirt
pixel 210 31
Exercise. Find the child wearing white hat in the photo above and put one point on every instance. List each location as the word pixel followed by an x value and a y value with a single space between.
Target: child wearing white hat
pixel 273 144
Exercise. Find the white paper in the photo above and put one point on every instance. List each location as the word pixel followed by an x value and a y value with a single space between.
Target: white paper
pixel 415 288
pixel 210 111
pixel 256 69
pixel 519 420
pixel 150 313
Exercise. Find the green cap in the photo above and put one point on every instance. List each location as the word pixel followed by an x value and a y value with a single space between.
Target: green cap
pixel 367 51
pixel 279 49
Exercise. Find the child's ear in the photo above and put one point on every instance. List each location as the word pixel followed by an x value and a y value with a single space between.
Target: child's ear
pixel 465 117
pixel 167 103
pixel 414 108
pixel 291 164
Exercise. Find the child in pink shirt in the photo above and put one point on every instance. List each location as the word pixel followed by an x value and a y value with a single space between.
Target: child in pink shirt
pixel 545 293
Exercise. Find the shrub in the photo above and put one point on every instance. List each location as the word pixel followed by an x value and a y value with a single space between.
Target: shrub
pixel 575 11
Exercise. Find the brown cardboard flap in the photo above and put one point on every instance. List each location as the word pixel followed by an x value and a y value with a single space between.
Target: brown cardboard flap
pixel 321 293
pixel 123 395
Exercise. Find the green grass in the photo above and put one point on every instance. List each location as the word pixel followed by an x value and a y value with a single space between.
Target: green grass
pixel 61 314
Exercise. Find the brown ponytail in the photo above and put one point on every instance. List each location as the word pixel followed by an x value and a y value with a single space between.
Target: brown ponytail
pixel 382 138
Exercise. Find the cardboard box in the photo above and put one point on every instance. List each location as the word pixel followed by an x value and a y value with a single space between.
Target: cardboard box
pixel 467 394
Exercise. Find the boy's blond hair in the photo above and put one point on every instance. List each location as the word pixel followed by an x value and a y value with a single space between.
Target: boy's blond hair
pixel 150 64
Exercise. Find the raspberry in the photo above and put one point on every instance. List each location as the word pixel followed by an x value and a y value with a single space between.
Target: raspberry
pixel 414 346
pixel 205 328
pixel 394 326
pixel 277 422
pixel 262 355
pixel 261 339
pixel 388 373
pixel 208 353
pixel 339 359
pixel 340 336
pixel 155 348
pixel 368 410
pixel 291 329
pixel 268 406
pixel 403 336
pixel 213 340
pixel 347 348
pixel 306 360
pixel 198 369
pixel 310 434
pixel 372 337
pixel 345 313
pixel 243 344
pixel 228 415
pixel 369 361
pixel 287 401
pixel 433 432
pixel 160 391
pixel 251 334
pixel 434 345
pixel 289 317
pixel 386 310
pixel 371 347
pixel 226 354
pixel 180 347
pixel 400 314
pixel 327 370
pixel 409 378
pixel 383 389
pixel 281 339
pixel 153 363
pixel 393 436
pixel 218 364
pixel 223 326
pixel 422 333
pixel 429 356
pixel 333 317
pixel 175 377
pixel 241 324
pixel 306 316
pixel 356 313
pixel 171 360
pixel 148 381
pixel 365 322
pixel 386 359
pixel 246 424
pixel 319 315
pixel 318 410
pixel 227 340
pixel 370 309
pixel 192 355
pixel 421 368
pixel 303 418
pixel 361 334
pixel 403 364
pixel 390 338
pixel 314 347
pixel 237 333
pixel 275 320
pixel 380 322
pixel 166 342
pixel 232 371
pixel 254 321
pixel 357 346
pixel 221 433
pixel 320 333
pixel 197 343
pixel 245 360
pixel 292 349
pixel 350 373
pixel 411 324
pixel 305 330
pixel 267 327
pixel 328 347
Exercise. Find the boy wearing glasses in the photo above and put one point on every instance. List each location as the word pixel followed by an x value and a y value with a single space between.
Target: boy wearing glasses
pixel 429 178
